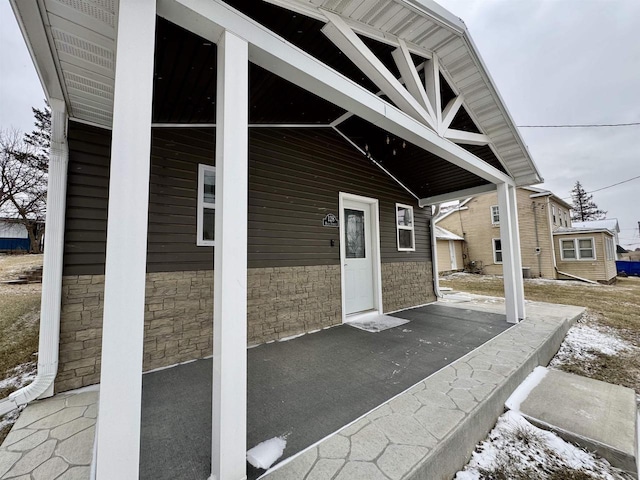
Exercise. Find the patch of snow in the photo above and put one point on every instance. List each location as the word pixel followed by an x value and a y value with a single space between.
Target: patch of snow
pixel 10 418
pixel 525 388
pixel 568 283
pixel 286 339
pixel 266 453
pixel 583 340
pixel 537 454
pixel 20 376
pixel 376 323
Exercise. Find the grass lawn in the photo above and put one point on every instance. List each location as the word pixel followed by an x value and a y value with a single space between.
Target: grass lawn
pixel 614 306
pixel 19 323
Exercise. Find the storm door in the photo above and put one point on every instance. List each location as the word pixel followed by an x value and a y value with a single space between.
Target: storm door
pixel 358 257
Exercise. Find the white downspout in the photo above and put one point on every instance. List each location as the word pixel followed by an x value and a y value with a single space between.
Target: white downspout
pixel 434 255
pixel 42 386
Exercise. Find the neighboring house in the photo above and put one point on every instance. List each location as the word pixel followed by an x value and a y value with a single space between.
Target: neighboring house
pixel 225 174
pixel 13 236
pixel 449 249
pixel 550 246
pixel 610 224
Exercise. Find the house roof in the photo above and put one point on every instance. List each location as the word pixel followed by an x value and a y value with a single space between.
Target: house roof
pixel 540 192
pixel 442 234
pixel 73 48
pixel 608 223
pixel 578 230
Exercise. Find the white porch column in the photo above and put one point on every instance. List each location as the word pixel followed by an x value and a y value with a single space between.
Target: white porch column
pixel 508 252
pixel 229 420
pixel 517 254
pixel 118 446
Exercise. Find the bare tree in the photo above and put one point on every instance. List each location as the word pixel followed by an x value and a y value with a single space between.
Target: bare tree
pixel 23 185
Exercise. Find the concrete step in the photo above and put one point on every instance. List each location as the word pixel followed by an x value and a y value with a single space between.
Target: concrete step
pixel 595 415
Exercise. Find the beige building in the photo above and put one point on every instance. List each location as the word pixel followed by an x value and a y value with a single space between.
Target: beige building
pixel 449 251
pixel 550 246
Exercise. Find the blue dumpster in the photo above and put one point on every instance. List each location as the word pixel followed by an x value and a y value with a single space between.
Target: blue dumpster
pixel 630 268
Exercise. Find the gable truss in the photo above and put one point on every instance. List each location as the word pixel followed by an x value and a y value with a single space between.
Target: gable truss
pixel 417 98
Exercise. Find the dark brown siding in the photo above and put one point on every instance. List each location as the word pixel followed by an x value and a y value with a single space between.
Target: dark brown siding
pixel 294 181
pixel 87 199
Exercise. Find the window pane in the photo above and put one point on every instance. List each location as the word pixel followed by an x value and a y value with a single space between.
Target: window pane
pixel 208 224
pixel 568 249
pixel 405 238
pixel 209 186
pixel 497 244
pixel 495 214
pixel 498 257
pixel 586 253
pixel 354 233
pixel 586 248
pixel 405 217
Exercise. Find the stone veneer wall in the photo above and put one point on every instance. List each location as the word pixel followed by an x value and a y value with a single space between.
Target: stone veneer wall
pixel 281 302
pixel 406 284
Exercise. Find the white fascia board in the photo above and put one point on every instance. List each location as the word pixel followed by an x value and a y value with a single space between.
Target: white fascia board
pixel 468 138
pixel 473 51
pixel 431 9
pixel 208 18
pixel 581 232
pixel 31 23
pixel 448 197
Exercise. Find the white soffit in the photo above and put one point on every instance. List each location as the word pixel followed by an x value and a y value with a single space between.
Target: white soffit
pixel 429 29
pixel 81 39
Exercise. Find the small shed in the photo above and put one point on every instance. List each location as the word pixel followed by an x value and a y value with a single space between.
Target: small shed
pixel 13 236
pixel 450 256
pixel 585 254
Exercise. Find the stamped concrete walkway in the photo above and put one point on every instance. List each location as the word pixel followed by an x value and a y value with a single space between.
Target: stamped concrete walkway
pixel 430 430
pixel 427 432
pixel 52 439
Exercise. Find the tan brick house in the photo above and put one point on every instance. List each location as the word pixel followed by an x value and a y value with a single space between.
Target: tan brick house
pixel 549 245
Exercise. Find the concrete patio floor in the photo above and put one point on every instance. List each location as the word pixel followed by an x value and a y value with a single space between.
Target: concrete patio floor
pixel 306 388
pixel 303 391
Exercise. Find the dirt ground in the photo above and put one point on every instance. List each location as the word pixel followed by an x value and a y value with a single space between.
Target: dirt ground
pixel 616 307
pixel 19 316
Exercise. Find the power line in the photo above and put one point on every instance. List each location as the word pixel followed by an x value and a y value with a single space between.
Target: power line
pixel 585 125
pixel 608 186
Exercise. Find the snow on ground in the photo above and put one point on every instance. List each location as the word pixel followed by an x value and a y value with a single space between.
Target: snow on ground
pixel 585 339
pixel 19 376
pixel 516 449
pixel 266 453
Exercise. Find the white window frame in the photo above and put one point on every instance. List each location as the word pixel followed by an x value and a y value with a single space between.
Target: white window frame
pixel 404 227
pixel 553 214
pixel 610 248
pixel 576 247
pixel 201 242
pixel 495 250
pixel 495 212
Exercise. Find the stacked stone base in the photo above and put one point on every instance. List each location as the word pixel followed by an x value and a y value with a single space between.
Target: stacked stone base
pixel 178 323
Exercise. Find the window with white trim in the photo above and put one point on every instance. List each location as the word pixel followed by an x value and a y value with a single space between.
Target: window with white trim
pixel 577 249
pixel 553 213
pixel 206 205
pixel 610 248
pixel 495 215
pixel 566 223
pixel 497 250
pixel 405 228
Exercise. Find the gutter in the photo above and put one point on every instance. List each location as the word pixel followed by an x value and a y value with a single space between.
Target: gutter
pixel 434 255
pixel 42 385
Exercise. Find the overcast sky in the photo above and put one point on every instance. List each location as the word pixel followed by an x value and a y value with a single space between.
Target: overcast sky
pixel 553 61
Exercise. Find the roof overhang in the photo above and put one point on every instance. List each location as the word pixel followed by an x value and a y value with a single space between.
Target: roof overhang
pixel 73 45
pixel 581 232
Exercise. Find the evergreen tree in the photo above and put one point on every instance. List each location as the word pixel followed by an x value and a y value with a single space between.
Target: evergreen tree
pixel 40 138
pixel 584 208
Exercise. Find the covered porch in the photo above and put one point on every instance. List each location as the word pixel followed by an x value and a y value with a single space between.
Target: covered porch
pixel 408 98
pixel 408 402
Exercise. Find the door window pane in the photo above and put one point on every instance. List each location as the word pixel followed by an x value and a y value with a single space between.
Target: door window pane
pixel 354 233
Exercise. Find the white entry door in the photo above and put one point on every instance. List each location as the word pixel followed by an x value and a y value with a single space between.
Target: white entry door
pixel 358 257
pixel 452 253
